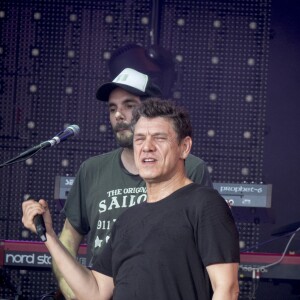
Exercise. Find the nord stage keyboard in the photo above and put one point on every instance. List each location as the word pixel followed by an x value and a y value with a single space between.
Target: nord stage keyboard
pixel 25 254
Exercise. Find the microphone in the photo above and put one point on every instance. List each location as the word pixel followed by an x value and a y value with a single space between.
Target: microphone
pixel 40 227
pixel 39 223
pixel 60 137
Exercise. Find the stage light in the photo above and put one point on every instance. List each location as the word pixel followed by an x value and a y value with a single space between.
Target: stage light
pixel 33 88
pixel 109 19
pixel 69 90
pixel 217 23
pixel 251 62
pixel 211 133
pixel 107 55
pixel 253 25
pixel 73 18
pixel 31 125
pixel 103 128
pixel 37 16
pixel 213 96
pixel 215 60
pixel 145 20
pixel 180 22
pixel 35 52
pixel 247 134
pixel 249 98
pixel 65 163
pixel 71 53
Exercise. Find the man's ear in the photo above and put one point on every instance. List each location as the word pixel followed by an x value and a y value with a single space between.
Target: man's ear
pixel 186 146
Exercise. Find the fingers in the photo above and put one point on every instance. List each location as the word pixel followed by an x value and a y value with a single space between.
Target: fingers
pixel 44 204
pixel 31 208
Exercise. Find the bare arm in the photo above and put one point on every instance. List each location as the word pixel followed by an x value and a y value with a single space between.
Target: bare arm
pixel 84 283
pixel 224 280
pixel 71 239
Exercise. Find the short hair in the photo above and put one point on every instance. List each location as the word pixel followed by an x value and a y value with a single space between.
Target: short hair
pixel 155 107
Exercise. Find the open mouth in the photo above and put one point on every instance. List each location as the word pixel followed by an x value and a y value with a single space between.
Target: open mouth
pixel 148 160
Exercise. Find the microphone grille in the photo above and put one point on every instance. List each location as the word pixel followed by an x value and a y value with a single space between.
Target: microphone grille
pixel 74 128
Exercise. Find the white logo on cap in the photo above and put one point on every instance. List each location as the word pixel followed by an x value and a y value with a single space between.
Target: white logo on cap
pixel 132 78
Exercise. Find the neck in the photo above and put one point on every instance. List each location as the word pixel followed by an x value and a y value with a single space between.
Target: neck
pixel 128 161
pixel 160 190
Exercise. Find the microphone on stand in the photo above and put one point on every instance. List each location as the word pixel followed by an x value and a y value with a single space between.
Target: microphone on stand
pixel 60 137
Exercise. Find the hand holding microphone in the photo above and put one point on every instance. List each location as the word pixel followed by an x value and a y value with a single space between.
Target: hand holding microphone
pixel 36 217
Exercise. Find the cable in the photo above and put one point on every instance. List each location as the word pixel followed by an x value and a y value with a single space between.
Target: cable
pixel 266 242
pixel 263 268
pixel 256 271
pixel 283 254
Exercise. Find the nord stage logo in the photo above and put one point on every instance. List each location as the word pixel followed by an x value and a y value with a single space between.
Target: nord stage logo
pixel 21 259
pixel 33 259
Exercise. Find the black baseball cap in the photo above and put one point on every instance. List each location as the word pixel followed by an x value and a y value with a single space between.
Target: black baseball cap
pixel 132 81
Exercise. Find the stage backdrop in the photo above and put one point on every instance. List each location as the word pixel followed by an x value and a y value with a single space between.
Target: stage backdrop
pixel 235 73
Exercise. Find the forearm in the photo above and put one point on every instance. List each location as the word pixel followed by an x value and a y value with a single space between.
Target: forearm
pixel 71 240
pixel 83 284
pixel 224 280
pixel 64 287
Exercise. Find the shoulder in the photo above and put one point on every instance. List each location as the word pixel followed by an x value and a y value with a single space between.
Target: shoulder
pixel 205 196
pixel 103 158
pixel 203 191
pixel 197 171
pixel 194 158
pixel 191 160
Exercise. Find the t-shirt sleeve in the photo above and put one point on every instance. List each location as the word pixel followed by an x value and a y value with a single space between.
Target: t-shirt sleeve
pixel 217 235
pixel 75 208
pixel 103 262
pixel 197 171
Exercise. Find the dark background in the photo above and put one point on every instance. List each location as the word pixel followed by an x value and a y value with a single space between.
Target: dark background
pixel 54 55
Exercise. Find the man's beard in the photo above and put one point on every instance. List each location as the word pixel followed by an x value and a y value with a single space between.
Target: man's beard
pixel 125 141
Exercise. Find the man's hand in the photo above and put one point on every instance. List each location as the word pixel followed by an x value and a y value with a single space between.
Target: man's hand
pixel 30 209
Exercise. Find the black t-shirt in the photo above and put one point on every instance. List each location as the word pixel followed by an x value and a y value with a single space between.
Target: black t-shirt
pixel 160 250
pixel 104 189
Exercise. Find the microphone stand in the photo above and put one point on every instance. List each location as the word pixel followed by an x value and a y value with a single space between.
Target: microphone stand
pixel 26 154
pixel 38 220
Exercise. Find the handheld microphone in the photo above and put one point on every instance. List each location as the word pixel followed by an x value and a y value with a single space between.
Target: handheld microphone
pixel 39 223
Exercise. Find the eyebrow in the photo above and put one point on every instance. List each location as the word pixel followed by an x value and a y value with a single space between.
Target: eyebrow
pixel 154 134
pixel 124 102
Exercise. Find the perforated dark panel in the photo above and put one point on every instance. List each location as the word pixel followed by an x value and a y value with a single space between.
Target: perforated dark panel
pixel 222 50
pixel 53 57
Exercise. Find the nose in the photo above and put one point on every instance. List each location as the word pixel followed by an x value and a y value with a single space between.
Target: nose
pixel 119 115
pixel 148 145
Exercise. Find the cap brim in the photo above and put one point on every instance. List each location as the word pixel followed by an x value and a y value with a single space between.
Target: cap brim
pixel 105 90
